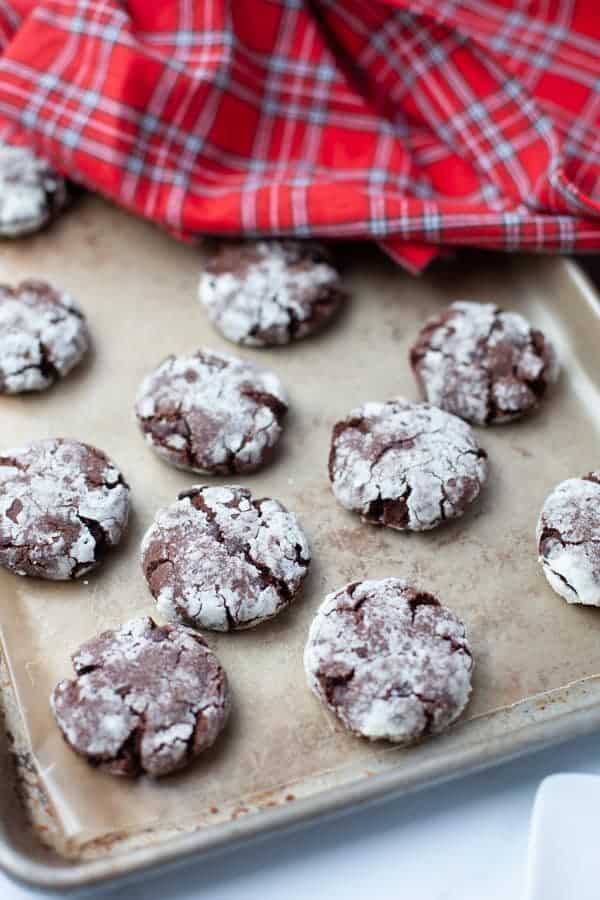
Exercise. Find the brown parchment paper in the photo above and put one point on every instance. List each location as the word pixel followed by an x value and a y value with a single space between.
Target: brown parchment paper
pixel 138 288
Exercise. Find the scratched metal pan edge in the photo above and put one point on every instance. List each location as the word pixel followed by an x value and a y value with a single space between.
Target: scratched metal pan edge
pixel 524 732
pixel 559 703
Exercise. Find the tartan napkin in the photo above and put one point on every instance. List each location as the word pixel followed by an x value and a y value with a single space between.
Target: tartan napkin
pixel 418 124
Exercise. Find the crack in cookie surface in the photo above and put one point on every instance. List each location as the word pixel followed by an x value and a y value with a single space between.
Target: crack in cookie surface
pixel 483 364
pixel 43 335
pixel 270 292
pixel 63 504
pixel 568 538
pixel 409 466
pixel 31 192
pixel 389 660
pixel 212 413
pixel 219 559
pixel 145 699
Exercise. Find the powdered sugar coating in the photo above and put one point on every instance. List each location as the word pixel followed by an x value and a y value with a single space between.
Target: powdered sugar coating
pixel 31 192
pixel 568 536
pixel 211 412
pixel 146 699
pixel 409 466
pixel 43 335
pixel 219 559
pixel 389 660
pixel 270 292
pixel 62 505
pixel 483 364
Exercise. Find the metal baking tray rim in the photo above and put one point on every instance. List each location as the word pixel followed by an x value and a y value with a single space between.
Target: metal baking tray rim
pixel 517 740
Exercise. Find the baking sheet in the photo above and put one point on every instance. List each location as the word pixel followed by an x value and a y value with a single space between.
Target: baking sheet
pixel 138 289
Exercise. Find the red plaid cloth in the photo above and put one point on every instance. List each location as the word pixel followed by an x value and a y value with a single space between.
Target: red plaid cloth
pixel 416 123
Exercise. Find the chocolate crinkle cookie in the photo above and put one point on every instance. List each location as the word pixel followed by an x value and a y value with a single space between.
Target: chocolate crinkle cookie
pixel 43 335
pixel 568 537
pixel 409 466
pixel 270 292
pixel 31 192
pixel 63 504
pixel 483 364
pixel 211 412
pixel 389 661
pixel 219 559
pixel 145 700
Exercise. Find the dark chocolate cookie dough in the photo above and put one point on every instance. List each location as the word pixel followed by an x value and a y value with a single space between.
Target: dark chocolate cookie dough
pixel 31 192
pixel 568 536
pixel 63 504
pixel 270 292
pixel 219 559
pixel 146 699
pixel 483 364
pixel 211 412
pixel 43 335
pixel 409 466
pixel 389 660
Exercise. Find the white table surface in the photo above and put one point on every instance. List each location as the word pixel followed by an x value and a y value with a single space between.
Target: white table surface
pixel 466 839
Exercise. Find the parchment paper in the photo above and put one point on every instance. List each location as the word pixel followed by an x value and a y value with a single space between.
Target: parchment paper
pixel 138 288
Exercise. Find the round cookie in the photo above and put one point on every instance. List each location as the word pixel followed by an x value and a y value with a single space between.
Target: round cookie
pixel 270 292
pixel 219 559
pixel 568 538
pixel 43 335
pixel 63 504
pixel 212 413
pixel 146 699
pixel 389 660
pixel 483 364
pixel 31 192
pixel 409 466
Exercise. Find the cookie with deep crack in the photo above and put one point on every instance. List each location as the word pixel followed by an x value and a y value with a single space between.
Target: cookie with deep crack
pixel 389 660
pixel 145 699
pixel 219 559
pixel 409 466
pixel 63 504
pixel 482 363
pixel 212 413
pixel 568 538
pixel 43 335
pixel 266 293
pixel 31 192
